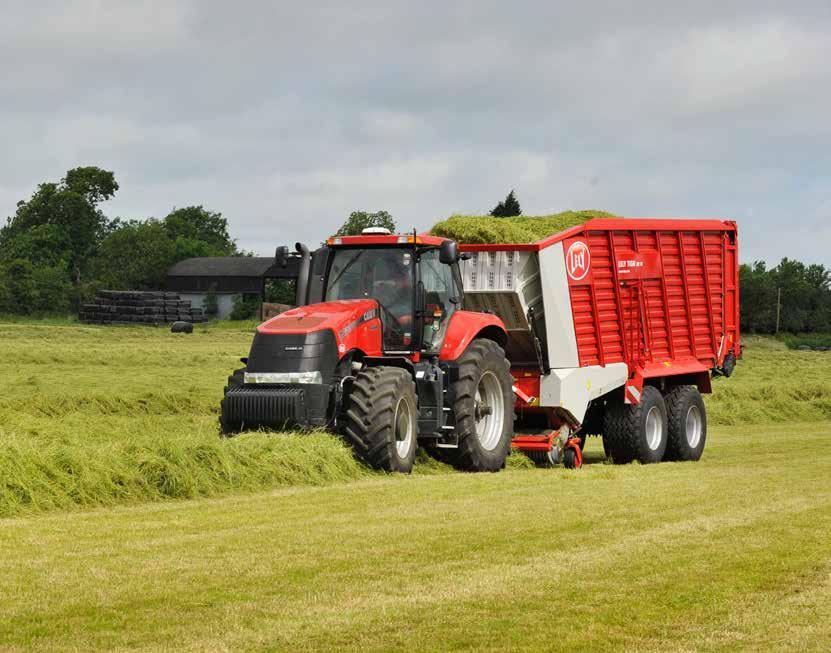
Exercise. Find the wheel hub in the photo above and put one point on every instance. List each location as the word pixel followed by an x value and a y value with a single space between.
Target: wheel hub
pixel 404 428
pixel 654 428
pixel 693 426
pixel 482 410
pixel 488 410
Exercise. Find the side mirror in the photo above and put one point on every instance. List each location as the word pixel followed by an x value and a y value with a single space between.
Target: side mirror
pixel 448 253
pixel 281 256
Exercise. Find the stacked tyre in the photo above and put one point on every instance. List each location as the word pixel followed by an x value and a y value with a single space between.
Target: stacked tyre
pixel 663 426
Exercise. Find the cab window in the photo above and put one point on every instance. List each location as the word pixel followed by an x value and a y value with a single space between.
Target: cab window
pixel 439 287
pixel 385 275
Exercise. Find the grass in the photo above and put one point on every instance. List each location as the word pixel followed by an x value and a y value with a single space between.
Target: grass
pixel 285 542
pixel 773 384
pixel 101 416
pixel 807 340
pixel 730 553
pixel 521 229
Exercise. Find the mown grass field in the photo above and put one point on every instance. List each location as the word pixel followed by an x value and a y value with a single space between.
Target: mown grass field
pixel 288 543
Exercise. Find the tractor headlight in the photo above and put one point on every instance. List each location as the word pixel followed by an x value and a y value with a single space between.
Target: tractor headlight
pixel 284 377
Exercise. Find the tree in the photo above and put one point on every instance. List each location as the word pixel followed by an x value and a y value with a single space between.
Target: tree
pixel 199 232
pixel 360 220
pixel 61 222
pixel 802 293
pixel 507 208
pixel 135 255
pixel 27 289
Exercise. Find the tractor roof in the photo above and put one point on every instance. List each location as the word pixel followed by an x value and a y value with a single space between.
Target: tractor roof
pixel 378 239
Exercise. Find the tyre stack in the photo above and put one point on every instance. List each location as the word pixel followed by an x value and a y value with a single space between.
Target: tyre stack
pixel 139 307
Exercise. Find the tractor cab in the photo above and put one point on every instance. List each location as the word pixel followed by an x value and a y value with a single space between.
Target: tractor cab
pixel 414 279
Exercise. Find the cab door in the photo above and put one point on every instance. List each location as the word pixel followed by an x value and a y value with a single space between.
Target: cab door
pixel 441 296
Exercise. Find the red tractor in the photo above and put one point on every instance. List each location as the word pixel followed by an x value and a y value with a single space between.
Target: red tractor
pixel 380 350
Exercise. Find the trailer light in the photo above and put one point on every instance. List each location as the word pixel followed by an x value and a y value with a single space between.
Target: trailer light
pixel 284 377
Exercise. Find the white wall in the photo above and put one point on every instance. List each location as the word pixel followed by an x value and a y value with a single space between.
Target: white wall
pixel 224 302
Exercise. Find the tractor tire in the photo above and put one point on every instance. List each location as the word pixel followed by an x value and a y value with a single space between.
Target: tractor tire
pixel 380 418
pixel 687 417
pixel 227 429
pixel 637 432
pixel 484 409
pixel 236 379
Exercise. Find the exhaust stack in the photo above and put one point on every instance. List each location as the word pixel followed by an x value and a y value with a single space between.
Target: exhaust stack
pixel 301 294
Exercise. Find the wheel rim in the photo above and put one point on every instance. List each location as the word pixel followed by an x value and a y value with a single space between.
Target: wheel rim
pixel 694 426
pixel 489 411
pixel 654 428
pixel 404 427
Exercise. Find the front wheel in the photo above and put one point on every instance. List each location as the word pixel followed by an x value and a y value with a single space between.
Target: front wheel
pixel 227 427
pixel 484 409
pixel 380 418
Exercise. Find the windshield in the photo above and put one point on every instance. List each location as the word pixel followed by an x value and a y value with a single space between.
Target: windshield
pixel 384 274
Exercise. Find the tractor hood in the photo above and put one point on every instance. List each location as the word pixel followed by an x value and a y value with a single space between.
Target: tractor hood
pixel 302 332
pixel 340 317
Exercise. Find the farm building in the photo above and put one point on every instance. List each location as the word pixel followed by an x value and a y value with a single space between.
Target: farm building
pixel 228 277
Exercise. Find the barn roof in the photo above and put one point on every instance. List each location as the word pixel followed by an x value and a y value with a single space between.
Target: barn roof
pixel 222 266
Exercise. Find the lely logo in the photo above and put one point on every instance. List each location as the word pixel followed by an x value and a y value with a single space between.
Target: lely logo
pixel 578 260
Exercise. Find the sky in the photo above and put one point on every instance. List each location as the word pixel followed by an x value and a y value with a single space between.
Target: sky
pixel 287 116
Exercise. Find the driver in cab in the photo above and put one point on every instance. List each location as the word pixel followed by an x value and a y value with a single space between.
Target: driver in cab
pixel 392 287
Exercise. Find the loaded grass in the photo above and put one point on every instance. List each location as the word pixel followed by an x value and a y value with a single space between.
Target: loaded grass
pixel 486 229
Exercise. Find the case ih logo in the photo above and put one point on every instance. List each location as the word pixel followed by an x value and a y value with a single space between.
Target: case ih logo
pixel 578 260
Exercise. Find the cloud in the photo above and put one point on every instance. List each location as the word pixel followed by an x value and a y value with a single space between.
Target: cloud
pixel 288 116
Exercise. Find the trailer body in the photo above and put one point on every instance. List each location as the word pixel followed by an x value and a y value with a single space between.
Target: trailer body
pixel 613 304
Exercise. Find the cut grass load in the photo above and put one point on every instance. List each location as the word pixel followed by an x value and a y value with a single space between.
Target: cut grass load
pixel 98 416
pixel 485 229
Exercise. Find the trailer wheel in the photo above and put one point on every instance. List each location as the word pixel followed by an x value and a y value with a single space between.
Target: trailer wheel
pixel 607 447
pixel 236 380
pixel 570 459
pixel 637 432
pixel 544 458
pixel 381 418
pixel 687 419
pixel 484 409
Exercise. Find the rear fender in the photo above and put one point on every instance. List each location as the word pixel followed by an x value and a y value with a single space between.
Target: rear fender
pixel 465 327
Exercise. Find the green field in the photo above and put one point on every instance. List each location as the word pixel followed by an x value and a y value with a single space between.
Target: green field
pixel 130 525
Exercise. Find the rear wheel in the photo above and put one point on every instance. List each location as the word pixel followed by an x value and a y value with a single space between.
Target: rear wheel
pixel 687 417
pixel 484 409
pixel 381 418
pixel 637 432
